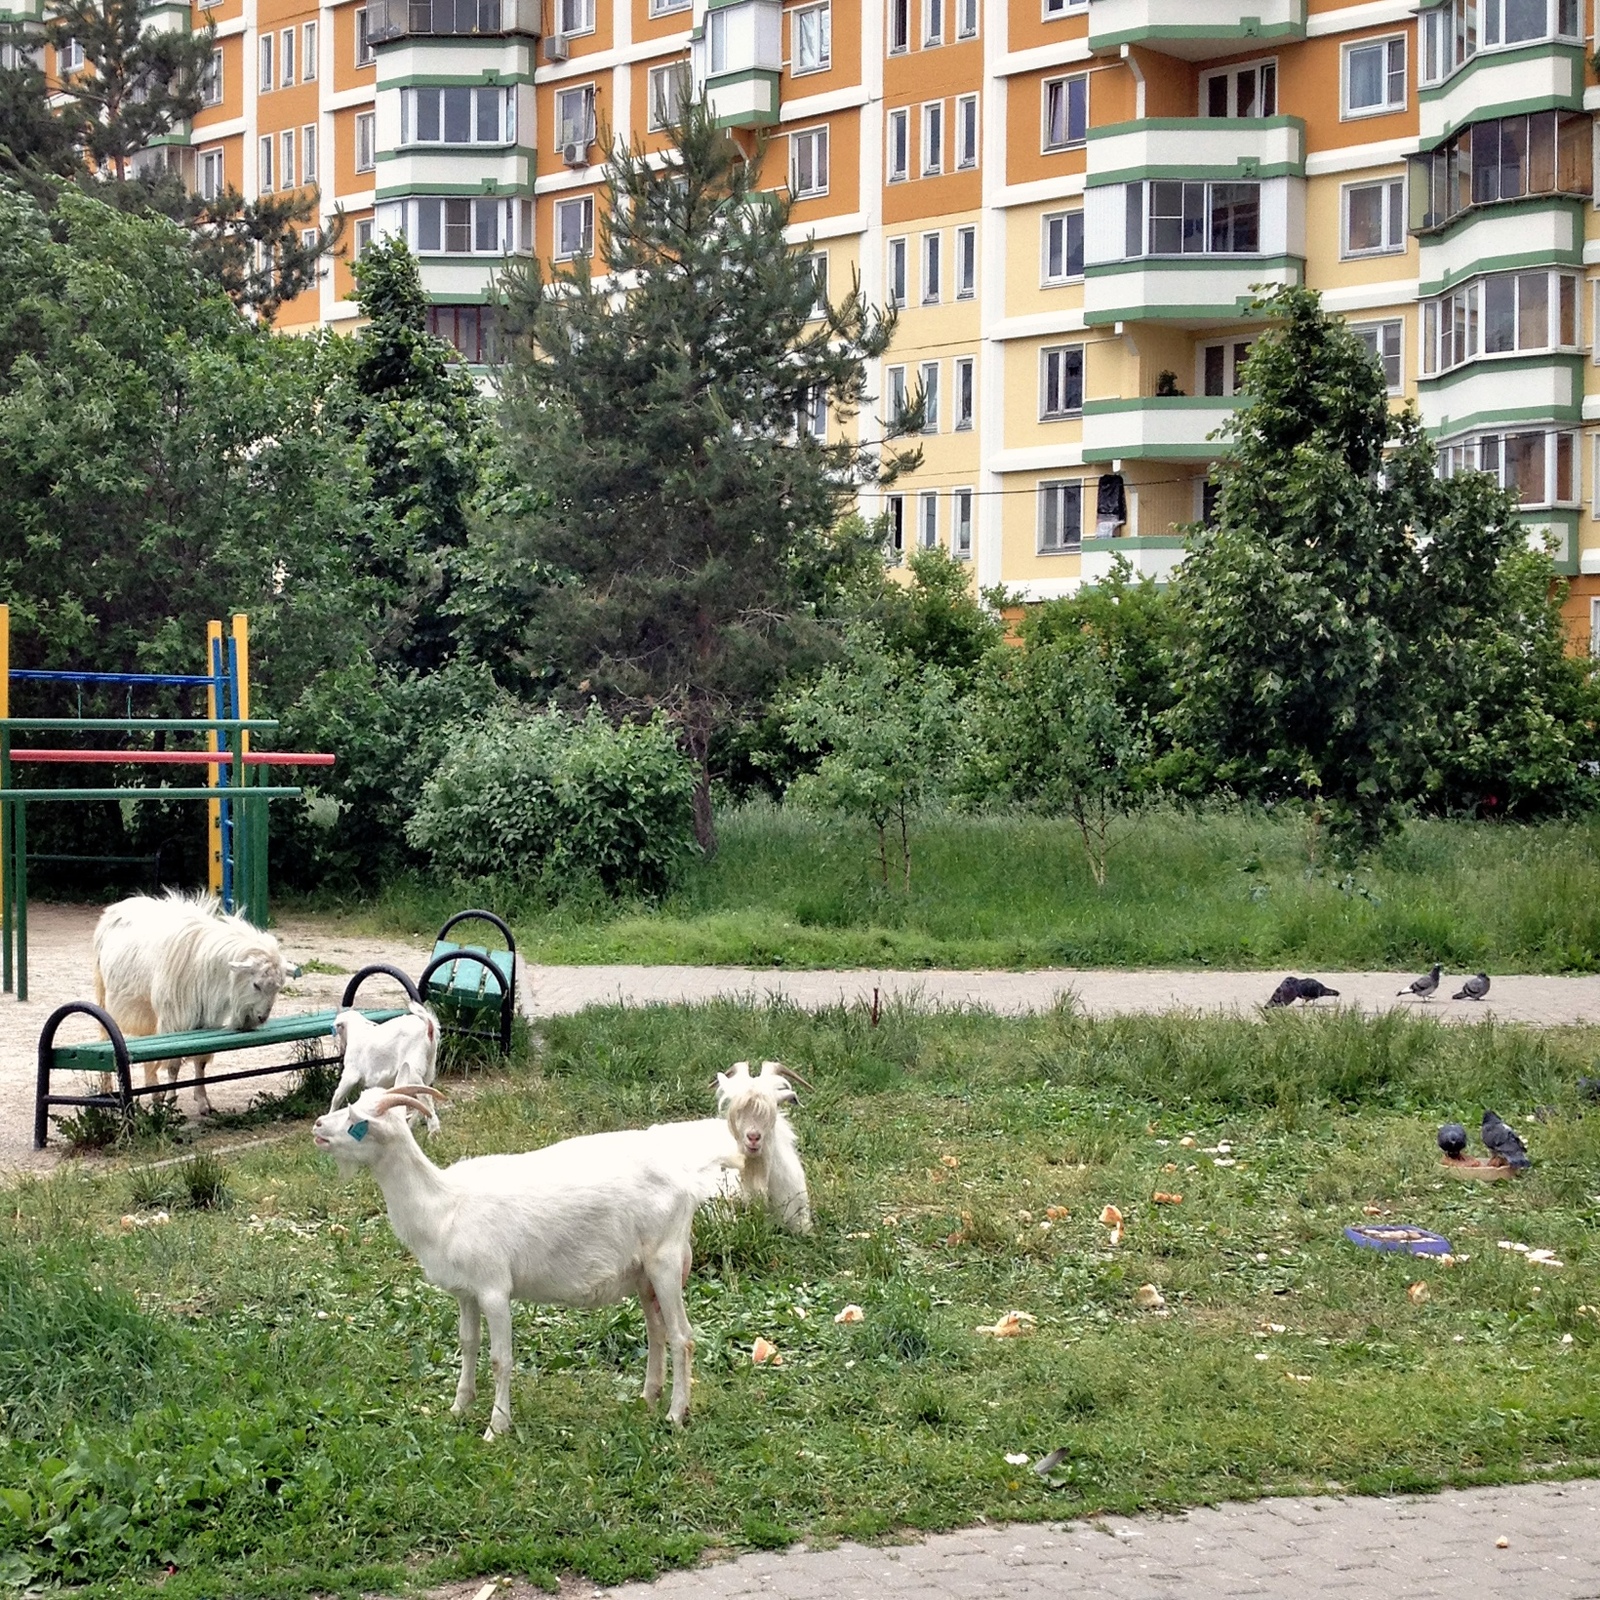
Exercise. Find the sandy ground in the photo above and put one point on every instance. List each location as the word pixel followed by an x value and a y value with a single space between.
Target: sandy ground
pixel 59 945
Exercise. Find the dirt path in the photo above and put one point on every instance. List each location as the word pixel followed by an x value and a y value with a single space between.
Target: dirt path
pixel 59 971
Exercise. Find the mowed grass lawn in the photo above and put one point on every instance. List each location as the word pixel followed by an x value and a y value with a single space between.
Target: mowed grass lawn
pixel 253 1400
pixel 1221 889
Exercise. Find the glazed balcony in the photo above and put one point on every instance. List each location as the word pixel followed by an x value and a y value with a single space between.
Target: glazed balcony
pixel 1196 30
pixel 736 61
pixel 1500 82
pixel 389 20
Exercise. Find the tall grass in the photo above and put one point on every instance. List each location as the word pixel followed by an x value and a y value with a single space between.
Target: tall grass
pixel 1223 888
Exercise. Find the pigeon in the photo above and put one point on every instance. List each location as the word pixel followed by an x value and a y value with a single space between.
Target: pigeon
pixel 1589 1088
pixel 1473 988
pixel 1501 1140
pixel 1292 989
pixel 1452 1139
pixel 1423 988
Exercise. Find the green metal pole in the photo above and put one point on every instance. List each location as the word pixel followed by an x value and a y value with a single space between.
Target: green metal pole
pixel 239 816
pixel 8 872
pixel 19 876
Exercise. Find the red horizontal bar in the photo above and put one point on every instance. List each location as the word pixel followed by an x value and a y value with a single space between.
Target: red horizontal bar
pixel 171 758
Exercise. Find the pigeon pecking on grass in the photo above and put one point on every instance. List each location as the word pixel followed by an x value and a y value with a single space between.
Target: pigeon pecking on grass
pixel 1292 989
pixel 1501 1140
pixel 1452 1139
pixel 1423 988
pixel 1473 988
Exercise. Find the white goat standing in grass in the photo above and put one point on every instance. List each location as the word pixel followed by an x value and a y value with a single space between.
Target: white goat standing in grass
pixel 386 1055
pixel 587 1222
pixel 752 1119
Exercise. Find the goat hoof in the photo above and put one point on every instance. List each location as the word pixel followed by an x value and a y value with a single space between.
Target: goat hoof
pixel 488 1434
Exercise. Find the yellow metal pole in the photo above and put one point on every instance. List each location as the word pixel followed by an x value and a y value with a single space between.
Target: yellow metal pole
pixel 7 808
pixel 213 807
pixel 241 642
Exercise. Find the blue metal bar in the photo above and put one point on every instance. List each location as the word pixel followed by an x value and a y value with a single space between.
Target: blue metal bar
pixel 222 683
pixel 172 679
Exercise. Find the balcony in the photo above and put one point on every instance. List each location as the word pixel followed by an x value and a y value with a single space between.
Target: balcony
pixel 1196 30
pixel 1156 428
pixel 1542 229
pixel 1154 556
pixel 388 20
pixel 736 60
pixel 1499 82
pixel 1503 391
pixel 1197 147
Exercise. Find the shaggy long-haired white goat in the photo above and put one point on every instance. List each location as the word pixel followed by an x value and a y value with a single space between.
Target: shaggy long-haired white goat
pixel 587 1222
pixel 179 963
pixel 754 1124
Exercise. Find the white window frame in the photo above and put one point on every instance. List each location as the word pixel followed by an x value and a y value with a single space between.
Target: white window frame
pixel 1063 219
pixel 267 78
pixel 211 83
pixel 932 268
pixel 1464 311
pixel 898 285
pixel 932 138
pixel 1233 74
pixel 210 172
pixel 894 511
pixel 365 54
pixel 308 53
pixel 71 56
pixel 967 141
pixel 928 372
pixel 817 260
pixel 964 394
pixel 505 119
pixel 928 519
pixel 584 205
pixel 662 8
pixel 1065 84
pixel 658 115
pixel 967 18
pixel 286 58
pixel 1067 543
pixel 811 417
pixel 265 156
pixel 1385 331
pixel 363 236
pixel 932 23
pixel 1594 603
pixel 308 237
pixel 895 394
pixel 1469 454
pixel 308 153
pixel 967 262
pixel 574 17
pixel 565 124
pixel 1394 243
pixel 897 146
pixel 961 503
pixel 1235 351
pixel 1060 354
pixel 286 161
pixel 1062 8
pixel 817 138
pixel 824 12
pixel 1392 45
pixel 366 138
pixel 897 19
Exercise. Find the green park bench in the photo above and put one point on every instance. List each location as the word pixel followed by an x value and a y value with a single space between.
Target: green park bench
pixel 469 984
pixel 116 1055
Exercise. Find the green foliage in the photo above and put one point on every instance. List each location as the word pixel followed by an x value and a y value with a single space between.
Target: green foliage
pixel 935 619
pixel 676 532
pixel 555 798
pixel 1347 594
pixel 886 729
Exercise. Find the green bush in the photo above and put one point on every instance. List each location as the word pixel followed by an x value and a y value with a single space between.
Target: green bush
pixel 550 797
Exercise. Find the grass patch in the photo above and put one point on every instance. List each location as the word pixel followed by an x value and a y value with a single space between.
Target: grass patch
pixel 1223 888
pixel 259 1395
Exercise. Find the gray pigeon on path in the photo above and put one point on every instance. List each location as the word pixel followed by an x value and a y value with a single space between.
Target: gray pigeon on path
pixel 1292 989
pixel 1473 988
pixel 1423 988
pixel 1452 1139
pixel 1500 1139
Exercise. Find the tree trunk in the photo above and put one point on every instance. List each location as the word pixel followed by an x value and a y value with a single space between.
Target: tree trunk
pixel 905 847
pixel 705 824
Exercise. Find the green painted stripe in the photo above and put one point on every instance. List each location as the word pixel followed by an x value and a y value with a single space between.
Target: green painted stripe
pixel 1485 265
pixel 1574 204
pixel 1244 170
pixel 1486 60
pixel 1191 263
pixel 455 191
pixel 1156 452
pixel 1511 418
pixel 1114 130
pixel 1572 361
pixel 1162 402
pixel 1226 35
pixel 489 78
pixel 1141 541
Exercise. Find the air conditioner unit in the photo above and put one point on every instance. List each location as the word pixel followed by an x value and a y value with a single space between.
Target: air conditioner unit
pixel 576 154
pixel 555 47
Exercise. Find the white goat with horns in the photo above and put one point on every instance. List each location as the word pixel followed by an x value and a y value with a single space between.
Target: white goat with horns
pixel 586 1222
pixel 386 1055
pixel 768 1164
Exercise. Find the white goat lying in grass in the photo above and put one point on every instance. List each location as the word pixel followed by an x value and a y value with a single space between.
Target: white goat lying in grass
pixel 587 1222
pixel 768 1155
pixel 386 1055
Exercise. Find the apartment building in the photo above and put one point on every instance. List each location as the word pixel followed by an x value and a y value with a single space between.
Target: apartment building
pixel 1071 201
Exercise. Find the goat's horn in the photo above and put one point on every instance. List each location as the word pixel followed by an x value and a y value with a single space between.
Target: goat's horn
pixel 428 1089
pixel 408 1102
pixel 789 1072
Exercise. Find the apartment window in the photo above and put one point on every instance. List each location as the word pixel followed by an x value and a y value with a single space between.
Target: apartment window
pixel 363 237
pixel 574 227
pixel 308 238
pixel 897 272
pixel 717 41
pixel 1374 218
pixel 965 406
pixel 1504 158
pixel 1375 77
pixel 808 163
pixel 930 396
pixel 966 263
pixel 817 261
pixel 462 227
pixel 365 55
pixel 211 83
pixel 1061 8
pixel 811 416
pixel 1539 466
pixel 286 165
pixel 470 330
pixel 457 116
pixel 575 16
pixel 268 77
pixel 575 115
pixel 264 169
pixel 961 532
pixel 899 144
pixel 933 139
pixel 208 168
pixel 1062 233
pixel 308 52
pixel 899 26
pixel 1250 91
pixel 896 377
pixel 966 132
pixel 308 153
pixel 928 519
pixel 72 56
pixel 1222 366
pixel 1500 314
pixel 1594 605
pixel 1066 111
pixel 286 56
pixel 1060 517
pixel 660 8
pixel 1454 32
pixel 1061 381
pixel 1383 340
pixel 932 22
pixel 366 141
pixel 669 88
pixel 1194 218
pixel 813 39
pixel 966 19
pixel 894 513
pixel 932 268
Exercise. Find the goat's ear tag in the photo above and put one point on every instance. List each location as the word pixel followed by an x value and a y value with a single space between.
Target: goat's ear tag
pixel 358 1130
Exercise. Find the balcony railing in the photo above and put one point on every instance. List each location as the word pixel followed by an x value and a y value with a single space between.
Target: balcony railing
pixel 408 19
